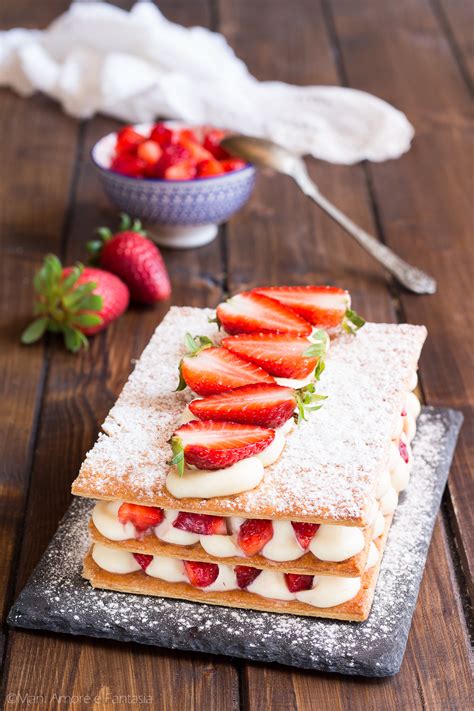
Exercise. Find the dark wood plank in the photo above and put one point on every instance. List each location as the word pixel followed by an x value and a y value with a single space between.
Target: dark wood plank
pixel 35 176
pixel 457 19
pixel 281 236
pixel 425 200
pixel 80 390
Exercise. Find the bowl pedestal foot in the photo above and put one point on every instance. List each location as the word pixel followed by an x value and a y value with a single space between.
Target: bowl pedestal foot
pixel 182 236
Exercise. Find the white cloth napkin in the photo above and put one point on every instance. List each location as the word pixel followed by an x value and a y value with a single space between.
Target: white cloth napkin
pixel 137 66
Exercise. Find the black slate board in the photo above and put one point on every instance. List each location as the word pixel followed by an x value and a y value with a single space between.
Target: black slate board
pixel 56 598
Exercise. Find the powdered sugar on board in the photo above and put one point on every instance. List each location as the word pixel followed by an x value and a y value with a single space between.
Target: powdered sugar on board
pixel 57 598
pixel 330 465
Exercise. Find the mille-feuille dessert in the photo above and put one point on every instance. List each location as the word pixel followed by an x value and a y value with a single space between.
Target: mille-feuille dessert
pixel 267 474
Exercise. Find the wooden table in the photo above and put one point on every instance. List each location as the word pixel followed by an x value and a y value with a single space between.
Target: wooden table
pixel 416 54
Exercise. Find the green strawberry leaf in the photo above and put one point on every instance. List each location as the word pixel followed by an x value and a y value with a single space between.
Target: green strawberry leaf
pixel 178 454
pixel 182 383
pixel 74 339
pixel 87 320
pixel 352 322
pixel 125 222
pixel 72 278
pixel 35 330
pixel 195 344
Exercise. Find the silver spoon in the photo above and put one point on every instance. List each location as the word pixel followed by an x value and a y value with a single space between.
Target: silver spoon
pixel 267 154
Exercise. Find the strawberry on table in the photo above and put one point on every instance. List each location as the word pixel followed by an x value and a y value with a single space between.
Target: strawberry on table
pixel 203 524
pixel 208 369
pixel 263 404
pixel 323 306
pixel 217 445
pixel 143 560
pixel 75 301
pixel 296 583
pixel 142 517
pixel 255 313
pixel 245 575
pixel 283 355
pixel 304 532
pixel 254 534
pixel 201 575
pixel 133 257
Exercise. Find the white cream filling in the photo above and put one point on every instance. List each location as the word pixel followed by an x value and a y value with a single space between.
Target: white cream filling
pixel 413 381
pixel 373 556
pixel 389 501
pixel 207 483
pixel 329 591
pixel 409 426
pixel 283 545
pixel 271 453
pixel 287 427
pixel 166 532
pixel 220 546
pixel 226 580
pixel 105 518
pixel 337 543
pixel 412 405
pixel 271 584
pixel 383 484
pixel 170 569
pixel 113 560
pixel 379 525
pixel 294 382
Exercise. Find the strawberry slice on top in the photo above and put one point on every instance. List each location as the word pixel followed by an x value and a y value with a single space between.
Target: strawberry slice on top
pixel 263 404
pixel 217 445
pixel 249 312
pixel 323 306
pixel 280 354
pixel 208 369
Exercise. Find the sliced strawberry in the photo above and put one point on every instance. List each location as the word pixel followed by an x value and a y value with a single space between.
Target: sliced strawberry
pixel 209 168
pixel 280 354
pixel 162 134
pixel 245 575
pixel 233 164
pixel 295 582
pixel 264 404
pixel 254 533
pixel 254 313
pixel 212 142
pixel 403 449
pixel 149 151
pixel 143 560
pixel 201 574
pixel 184 170
pixel 128 139
pixel 208 370
pixel 204 524
pixel 323 306
pixel 304 532
pixel 128 164
pixel 197 152
pixel 142 517
pixel 217 445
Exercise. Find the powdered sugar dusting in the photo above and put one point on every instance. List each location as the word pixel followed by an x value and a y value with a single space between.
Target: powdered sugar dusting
pixel 58 598
pixel 330 464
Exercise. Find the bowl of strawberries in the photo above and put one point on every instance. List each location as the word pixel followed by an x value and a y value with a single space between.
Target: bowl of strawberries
pixel 177 178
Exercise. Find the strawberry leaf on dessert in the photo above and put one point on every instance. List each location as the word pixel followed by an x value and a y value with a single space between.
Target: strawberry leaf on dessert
pixel 352 322
pixel 178 454
pixel 307 401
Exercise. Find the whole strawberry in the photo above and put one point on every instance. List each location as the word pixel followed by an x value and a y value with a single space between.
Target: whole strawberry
pixel 75 301
pixel 134 258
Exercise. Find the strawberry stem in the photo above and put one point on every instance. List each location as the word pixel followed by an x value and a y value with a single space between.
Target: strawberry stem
pixel 307 401
pixel 352 322
pixel 178 454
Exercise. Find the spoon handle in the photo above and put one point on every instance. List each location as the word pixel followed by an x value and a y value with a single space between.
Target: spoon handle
pixel 411 277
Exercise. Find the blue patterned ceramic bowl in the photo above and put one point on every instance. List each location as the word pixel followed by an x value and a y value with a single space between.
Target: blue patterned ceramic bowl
pixel 184 213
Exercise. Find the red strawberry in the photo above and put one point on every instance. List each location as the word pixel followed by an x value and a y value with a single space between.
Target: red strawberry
pixel 76 301
pixel 201 574
pixel 134 258
pixel 304 532
pixel 403 449
pixel 188 140
pixel 245 575
pixel 204 524
pixel 208 370
pixel 142 517
pixel 143 560
pixel 217 445
pixel 254 533
pixel 172 154
pixel 209 168
pixel 254 313
pixel 184 170
pixel 149 151
pixel 323 306
pixel 280 354
pixel 295 582
pixel 128 164
pixel 264 404
pixel 128 139
pixel 212 141
pixel 233 164
pixel 162 134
